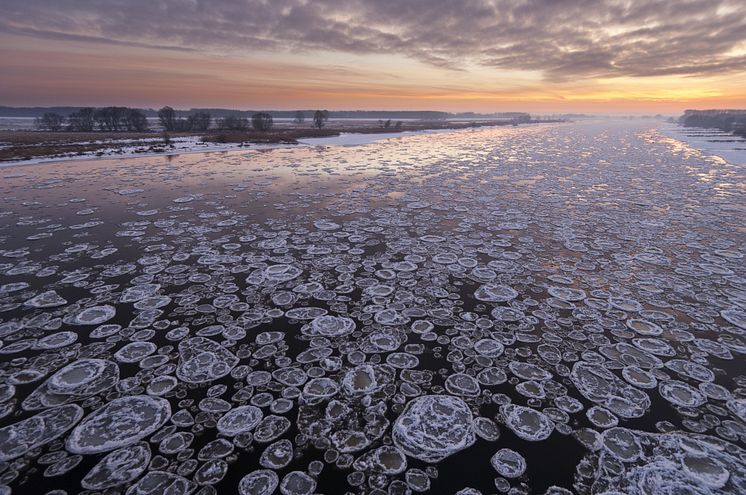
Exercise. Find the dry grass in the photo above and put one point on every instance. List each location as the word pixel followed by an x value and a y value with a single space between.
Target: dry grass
pixel 279 135
pixel 293 134
pixel 31 138
pixel 22 145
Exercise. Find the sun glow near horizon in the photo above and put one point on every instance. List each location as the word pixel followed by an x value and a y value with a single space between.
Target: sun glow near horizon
pixel 616 59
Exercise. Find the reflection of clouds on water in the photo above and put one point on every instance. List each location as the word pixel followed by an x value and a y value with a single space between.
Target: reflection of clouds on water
pixel 378 318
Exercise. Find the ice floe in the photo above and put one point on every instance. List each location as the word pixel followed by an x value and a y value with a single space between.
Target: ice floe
pixel 434 427
pixel 119 423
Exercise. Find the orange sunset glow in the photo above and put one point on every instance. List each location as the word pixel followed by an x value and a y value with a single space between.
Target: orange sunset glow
pixel 610 56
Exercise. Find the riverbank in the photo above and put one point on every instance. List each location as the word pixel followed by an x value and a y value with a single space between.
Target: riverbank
pixel 20 146
pixel 710 142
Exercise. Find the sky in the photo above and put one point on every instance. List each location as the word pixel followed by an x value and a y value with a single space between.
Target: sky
pixel 541 56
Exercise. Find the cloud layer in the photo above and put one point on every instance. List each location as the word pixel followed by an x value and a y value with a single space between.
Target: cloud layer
pixel 560 39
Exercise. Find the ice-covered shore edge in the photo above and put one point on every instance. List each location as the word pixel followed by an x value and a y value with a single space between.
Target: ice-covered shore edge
pixel 192 144
pixel 710 142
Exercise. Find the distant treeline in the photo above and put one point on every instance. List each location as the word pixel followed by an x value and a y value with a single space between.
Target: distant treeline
pixel 218 113
pixel 112 119
pixel 726 120
pixel 116 119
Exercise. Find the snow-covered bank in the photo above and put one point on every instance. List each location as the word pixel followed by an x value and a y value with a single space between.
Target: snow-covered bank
pixel 709 141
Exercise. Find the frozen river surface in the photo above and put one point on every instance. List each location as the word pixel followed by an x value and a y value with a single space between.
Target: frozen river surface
pixel 557 309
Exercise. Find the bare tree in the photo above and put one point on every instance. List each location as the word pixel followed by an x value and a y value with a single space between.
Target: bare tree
pixel 261 121
pixel 81 121
pixel 320 117
pixel 199 121
pixel 99 117
pixel 110 118
pixel 135 120
pixel 300 117
pixel 167 118
pixel 50 121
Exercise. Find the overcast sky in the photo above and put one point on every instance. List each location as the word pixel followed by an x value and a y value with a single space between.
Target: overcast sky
pixel 484 55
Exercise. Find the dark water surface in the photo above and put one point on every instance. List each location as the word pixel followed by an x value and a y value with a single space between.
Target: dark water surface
pixel 386 318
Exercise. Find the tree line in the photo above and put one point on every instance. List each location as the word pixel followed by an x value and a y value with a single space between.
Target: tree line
pixel 115 119
pixel 88 119
pixel 726 120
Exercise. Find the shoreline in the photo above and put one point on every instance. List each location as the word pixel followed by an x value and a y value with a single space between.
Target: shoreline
pixel 711 142
pixel 344 139
pixel 30 147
